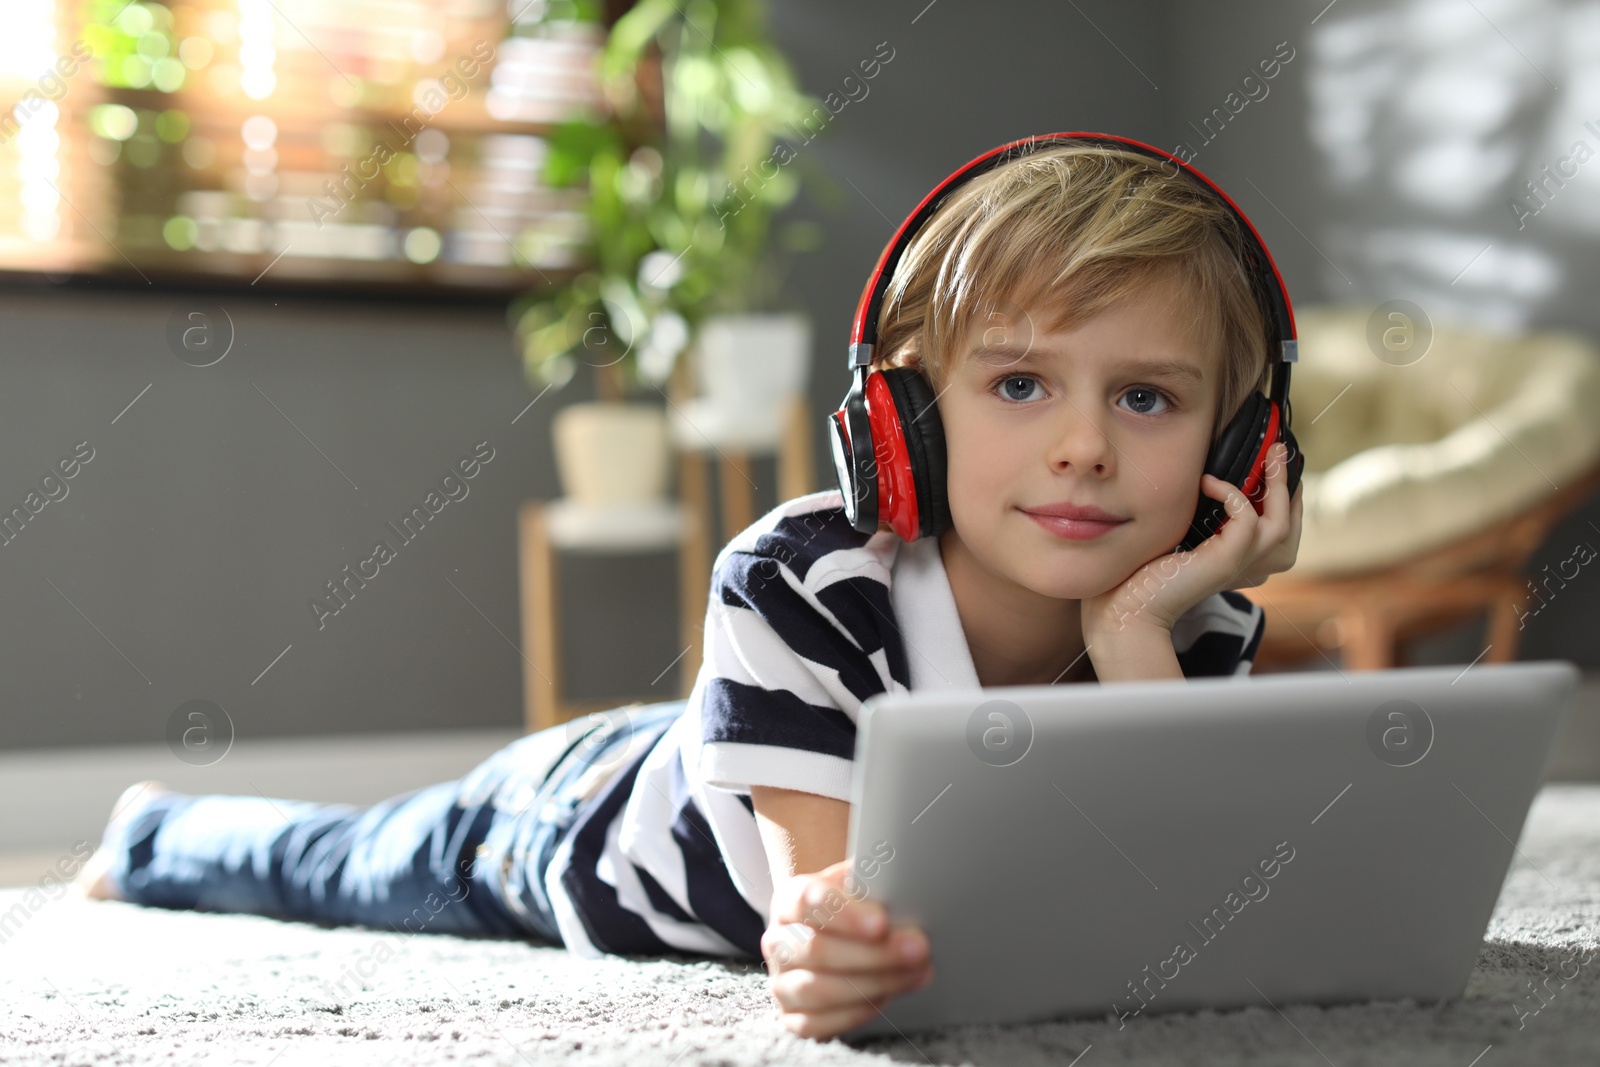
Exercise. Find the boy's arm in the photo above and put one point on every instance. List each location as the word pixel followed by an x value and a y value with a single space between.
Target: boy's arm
pixel 803 832
pixel 1137 653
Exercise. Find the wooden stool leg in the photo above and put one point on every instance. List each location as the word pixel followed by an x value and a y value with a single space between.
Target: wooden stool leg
pixel 694 564
pixel 738 493
pixel 541 676
pixel 794 451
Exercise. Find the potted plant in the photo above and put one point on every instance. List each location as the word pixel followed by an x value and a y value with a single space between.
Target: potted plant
pixel 684 172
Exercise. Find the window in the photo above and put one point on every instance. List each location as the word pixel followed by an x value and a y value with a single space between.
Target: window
pixel 337 141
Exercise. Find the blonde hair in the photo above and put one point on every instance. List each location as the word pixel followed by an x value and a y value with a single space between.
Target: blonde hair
pixel 1071 231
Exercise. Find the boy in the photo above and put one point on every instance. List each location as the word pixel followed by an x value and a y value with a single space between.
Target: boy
pixel 1037 301
pixel 1029 300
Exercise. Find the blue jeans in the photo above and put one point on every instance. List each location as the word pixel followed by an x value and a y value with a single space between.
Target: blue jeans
pixel 463 857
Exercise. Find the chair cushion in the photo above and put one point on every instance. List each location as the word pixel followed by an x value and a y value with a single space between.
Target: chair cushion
pixel 1410 458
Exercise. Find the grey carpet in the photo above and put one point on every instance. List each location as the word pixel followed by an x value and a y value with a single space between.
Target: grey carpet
pixel 85 983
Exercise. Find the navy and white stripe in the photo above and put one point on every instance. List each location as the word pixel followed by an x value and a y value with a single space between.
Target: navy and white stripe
pixel 807 619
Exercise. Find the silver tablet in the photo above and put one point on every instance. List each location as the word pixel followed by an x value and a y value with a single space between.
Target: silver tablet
pixel 1117 850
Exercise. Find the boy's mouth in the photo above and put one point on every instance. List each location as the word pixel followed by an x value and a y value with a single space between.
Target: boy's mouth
pixel 1075 522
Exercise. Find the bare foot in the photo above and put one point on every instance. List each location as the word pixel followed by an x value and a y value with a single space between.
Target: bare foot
pixel 93 881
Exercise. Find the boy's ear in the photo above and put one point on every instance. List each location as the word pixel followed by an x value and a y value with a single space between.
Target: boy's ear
pixel 905 359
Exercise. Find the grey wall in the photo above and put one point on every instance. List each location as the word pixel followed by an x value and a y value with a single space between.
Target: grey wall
pixel 181 562
pixel 183 558
pixel 1381 165
pixel 964 78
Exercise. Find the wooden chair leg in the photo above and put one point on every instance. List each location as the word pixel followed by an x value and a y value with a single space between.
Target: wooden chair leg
pixel 1504 633
pixel 1367 639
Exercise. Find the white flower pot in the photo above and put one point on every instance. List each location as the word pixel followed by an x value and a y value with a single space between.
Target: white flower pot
pixel 610 454
pixel 746 368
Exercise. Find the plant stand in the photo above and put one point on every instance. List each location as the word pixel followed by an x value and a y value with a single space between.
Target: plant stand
pixel 790 442
pixel 548 527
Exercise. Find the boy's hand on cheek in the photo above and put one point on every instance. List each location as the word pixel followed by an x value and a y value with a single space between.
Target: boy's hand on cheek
pixel 1244 551
pixel 1280 556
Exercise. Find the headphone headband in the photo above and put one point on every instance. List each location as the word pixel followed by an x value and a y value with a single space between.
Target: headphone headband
pixel 1266 281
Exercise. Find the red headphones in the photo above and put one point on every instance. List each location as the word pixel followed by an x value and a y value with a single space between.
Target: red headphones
pixel 888 442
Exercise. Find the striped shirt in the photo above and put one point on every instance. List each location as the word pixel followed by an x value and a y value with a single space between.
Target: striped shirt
pixel 808 618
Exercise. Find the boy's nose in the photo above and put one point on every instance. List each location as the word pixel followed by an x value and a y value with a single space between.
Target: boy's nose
pixel 1080 442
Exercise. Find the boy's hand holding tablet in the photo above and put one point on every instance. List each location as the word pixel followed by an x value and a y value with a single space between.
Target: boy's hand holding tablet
pixel 833 959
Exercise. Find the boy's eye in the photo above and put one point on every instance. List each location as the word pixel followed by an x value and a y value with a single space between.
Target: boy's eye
pixel 1145 400
pixel 1017 387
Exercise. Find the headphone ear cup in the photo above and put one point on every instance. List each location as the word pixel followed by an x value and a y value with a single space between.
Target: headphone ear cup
pixel 1230 458
pixel 918 411
pixel 1297 461
pixel 850 437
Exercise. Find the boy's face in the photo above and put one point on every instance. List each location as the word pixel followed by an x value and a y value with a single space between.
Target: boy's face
pixel 1034 418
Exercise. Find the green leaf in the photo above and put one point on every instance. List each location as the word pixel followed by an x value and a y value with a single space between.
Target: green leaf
pixel 631 34
pixel 572 149
pixel 706 191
